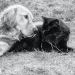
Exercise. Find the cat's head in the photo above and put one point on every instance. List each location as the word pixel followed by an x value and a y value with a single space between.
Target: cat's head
pixel 50 28
pixel 50 23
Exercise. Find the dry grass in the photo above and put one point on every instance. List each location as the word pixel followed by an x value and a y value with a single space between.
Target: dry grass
pixel 41 63
pixel 38 63
pixel 63 9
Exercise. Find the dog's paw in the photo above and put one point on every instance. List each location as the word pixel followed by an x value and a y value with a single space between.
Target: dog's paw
pixel 3 47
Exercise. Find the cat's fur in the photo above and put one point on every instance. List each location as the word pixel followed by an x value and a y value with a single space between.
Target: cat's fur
pixel 55 35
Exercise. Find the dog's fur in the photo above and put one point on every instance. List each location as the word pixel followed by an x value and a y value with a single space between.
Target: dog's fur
pixel 15 20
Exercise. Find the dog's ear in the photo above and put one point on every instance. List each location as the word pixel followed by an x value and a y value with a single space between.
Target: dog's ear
pixel 8 17
pixel 7 21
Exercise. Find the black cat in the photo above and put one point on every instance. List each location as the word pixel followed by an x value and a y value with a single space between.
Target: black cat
pixel 55 35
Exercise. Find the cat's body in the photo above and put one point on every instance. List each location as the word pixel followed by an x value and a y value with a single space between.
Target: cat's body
pixel 55 35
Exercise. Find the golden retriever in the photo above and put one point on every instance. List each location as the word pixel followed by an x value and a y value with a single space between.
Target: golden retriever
pixel 14 21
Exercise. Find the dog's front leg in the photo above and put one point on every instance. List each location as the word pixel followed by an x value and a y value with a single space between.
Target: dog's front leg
pixel 3 47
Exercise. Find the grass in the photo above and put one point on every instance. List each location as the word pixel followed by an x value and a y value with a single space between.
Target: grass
pixel 63 9
pixel 41 63
pixel 37 63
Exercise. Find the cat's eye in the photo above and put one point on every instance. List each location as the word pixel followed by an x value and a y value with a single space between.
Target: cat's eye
pixel 26 16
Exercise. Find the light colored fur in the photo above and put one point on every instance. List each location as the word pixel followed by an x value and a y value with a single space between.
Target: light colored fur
pixel 14 20
pixel 39 23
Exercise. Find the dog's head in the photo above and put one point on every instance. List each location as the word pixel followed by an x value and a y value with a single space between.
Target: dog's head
pixel 17 19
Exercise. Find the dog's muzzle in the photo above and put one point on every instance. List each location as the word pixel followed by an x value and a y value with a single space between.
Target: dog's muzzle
pixel 33 34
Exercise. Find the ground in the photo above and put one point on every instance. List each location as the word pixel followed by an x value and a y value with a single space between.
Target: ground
pixel 41 63
pixel 38 63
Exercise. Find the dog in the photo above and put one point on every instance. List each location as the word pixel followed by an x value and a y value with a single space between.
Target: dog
pixel 16 21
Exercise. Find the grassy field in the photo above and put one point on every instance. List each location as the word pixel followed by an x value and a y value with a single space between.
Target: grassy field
pixel 41 63
pixel 37 63
pixel 63 9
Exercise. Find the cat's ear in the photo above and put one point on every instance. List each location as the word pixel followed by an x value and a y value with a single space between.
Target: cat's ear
pixel 44 19
pixel 56 21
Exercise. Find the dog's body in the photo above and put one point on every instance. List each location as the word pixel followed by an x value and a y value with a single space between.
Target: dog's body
pixel 15 23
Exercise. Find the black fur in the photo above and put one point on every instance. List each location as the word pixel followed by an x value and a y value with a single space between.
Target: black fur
pixel 27 44
pixel 55 35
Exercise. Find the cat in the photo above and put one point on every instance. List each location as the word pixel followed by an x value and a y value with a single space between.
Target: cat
pixel 55 35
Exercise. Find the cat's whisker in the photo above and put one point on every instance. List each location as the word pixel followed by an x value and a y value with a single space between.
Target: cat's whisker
pixel 54 46
pixel 51 44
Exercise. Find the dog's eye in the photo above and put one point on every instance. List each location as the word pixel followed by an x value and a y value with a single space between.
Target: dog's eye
pixel 26 16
